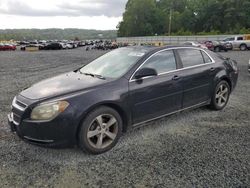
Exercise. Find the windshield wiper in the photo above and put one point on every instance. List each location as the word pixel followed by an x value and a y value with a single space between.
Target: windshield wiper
pixel 93 75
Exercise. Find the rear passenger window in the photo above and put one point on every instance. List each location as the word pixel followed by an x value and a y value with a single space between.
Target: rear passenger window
pixel 162 62
pixel 206 58
pixel 190 57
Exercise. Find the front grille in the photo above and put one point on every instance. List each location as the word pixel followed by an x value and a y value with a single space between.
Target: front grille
pixel 18 105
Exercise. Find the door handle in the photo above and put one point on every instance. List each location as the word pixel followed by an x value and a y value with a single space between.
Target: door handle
pixel 212 69
pixel 176 77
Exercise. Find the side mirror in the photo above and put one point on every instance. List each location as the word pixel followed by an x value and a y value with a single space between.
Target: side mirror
pixel 144 72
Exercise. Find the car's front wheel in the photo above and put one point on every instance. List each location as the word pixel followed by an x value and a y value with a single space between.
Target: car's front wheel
pixel 100 130
pixel 221 95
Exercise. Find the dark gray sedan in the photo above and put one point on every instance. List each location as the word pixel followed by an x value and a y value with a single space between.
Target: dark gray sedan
pixel 127 87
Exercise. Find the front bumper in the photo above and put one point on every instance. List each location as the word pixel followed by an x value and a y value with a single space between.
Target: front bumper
pixel 57 133
pixel 11 123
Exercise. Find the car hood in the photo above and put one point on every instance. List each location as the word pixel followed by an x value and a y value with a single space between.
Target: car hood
pixel 60 85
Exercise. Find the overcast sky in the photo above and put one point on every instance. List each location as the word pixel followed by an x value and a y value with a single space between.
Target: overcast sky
pixel 86 14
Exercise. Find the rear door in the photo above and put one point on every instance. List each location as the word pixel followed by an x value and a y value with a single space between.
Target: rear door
pixel 197 76
pixel 155 96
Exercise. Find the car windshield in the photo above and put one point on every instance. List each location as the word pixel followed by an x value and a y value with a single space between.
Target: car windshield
pixel 115 63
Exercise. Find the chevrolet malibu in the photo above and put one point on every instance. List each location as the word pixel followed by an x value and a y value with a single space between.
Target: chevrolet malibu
pixel 92 106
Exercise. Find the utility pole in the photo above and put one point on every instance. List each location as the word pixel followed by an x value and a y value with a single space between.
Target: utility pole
pixel 170 22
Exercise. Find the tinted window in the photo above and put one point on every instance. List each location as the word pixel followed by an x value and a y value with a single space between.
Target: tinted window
pixel 229 39
pixel 190 57
pixel 240 38
pixel 161 62
pixel 206 57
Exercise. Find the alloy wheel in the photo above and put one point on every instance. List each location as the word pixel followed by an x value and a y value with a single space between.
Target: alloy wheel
pixel 222 95
pixel 102 131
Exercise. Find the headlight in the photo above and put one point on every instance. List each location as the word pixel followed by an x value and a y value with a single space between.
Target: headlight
pixel 49 110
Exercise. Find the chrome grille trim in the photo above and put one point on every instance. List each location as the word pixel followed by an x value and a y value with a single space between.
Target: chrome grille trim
pixel 16 123
pixel 13 119
pixel 17 106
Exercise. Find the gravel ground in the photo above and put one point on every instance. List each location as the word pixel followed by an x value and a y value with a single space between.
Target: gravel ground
pixel 196 148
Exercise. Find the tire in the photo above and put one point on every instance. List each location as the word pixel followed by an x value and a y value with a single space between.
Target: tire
pixel 100 130
pixel 243 47
pixel 220 96
pixel 217 49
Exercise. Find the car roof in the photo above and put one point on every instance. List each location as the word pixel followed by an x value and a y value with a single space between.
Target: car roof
pixel 151 48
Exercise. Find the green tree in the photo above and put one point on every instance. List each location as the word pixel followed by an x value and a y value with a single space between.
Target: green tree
pixel 148 17
pixel 141 17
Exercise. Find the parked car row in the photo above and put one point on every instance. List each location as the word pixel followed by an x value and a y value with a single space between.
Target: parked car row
pixel 216 46
pixel 196 44
pixel 65 44
pixel 7 47
pixel 103 45
pixel 239 42
pixel 50 45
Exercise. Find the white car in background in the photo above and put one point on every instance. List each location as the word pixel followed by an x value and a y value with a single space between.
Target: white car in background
pixel 66 46
pixel 69 46
pixel 239 42
pixel 194 43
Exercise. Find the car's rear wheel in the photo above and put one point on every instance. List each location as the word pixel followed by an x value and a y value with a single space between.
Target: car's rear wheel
pixel 221 95
pixel 100 130
pixel 243 47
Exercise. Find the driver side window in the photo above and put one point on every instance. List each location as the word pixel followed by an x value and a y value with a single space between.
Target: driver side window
pixel 162 62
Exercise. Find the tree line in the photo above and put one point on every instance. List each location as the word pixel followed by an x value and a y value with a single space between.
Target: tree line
pixel 52 34
pixel 184 17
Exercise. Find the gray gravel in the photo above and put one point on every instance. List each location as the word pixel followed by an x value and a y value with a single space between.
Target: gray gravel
pixel 196 148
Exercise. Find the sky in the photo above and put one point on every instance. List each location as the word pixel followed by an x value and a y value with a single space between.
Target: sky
pixel 41 14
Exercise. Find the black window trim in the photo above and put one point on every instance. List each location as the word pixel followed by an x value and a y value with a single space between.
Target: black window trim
pixel 202 54
pixel 177 59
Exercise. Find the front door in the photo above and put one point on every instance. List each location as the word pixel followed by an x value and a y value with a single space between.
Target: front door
pixel 155 96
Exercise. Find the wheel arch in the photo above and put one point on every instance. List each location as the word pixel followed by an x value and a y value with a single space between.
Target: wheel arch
pixel 243 44
pixel 126 120
pixel 225 78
